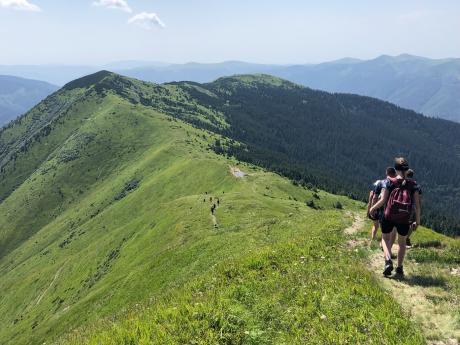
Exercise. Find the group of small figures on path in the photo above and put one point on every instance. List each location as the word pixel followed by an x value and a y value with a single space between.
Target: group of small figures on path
pixel 215 203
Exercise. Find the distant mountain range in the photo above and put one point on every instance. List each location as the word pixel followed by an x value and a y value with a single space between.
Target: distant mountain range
pixel 428 86
pixel 431 87
pixel 18 95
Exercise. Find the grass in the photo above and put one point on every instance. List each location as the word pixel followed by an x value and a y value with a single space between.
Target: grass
pixel 305 291
pixel 108 238
pixel 430 292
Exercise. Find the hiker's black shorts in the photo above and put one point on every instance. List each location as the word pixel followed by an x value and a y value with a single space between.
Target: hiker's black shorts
pixel 387 227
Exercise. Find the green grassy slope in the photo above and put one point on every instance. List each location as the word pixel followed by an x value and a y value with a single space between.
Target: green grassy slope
pixel 77 245
pixel 111 208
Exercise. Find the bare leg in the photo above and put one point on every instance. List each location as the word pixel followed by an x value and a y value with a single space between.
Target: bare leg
pixel 386 245
pixel 375 228
pixel 401 249
pixel 393 236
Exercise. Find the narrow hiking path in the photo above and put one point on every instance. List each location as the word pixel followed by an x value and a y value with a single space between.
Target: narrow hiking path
pixel 56 276
pixel 214 220
pixel 417 294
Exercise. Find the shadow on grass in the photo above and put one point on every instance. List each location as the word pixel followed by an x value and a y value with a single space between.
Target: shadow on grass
pixel 430 244
pixel 426 281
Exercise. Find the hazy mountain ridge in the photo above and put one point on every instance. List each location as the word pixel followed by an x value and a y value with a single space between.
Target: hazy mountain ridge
pixel 428 86
pixel 18 95
pixel 424 85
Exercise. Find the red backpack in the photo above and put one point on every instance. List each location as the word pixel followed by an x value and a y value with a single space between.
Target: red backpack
pixel 399 205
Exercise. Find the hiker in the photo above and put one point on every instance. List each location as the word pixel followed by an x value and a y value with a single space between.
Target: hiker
pixel 410 176
pixel 374 196
pixel 398 194
pixel 218 201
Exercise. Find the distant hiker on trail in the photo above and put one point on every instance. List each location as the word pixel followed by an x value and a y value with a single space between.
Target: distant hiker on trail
pixel 374 196
pixel 410 176
pixel 398 195
pixel 213 207
pixel 218 201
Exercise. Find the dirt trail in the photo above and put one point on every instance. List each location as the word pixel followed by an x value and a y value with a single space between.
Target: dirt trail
pixel 358 223
pixel 214 220
pixel 49 286
pixel 353 229
pixel 436 322
pixel 438 325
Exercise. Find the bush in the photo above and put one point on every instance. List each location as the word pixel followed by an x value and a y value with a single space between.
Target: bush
pixel 310 203
pixel 338 205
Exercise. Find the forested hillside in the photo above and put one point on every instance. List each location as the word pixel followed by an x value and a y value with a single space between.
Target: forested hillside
pixel 341 142
pixel 338 142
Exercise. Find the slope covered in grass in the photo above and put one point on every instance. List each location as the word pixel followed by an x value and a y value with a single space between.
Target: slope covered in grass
pixel 307 290
pixel 112 206
pixel 106 207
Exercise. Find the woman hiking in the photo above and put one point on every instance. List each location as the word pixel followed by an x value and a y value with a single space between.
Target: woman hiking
pixel 398 196
pixel 374 196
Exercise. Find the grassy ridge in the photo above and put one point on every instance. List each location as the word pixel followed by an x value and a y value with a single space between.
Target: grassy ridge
pixel 122 216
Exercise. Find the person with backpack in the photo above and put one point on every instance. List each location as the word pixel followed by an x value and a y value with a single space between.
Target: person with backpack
pixel 398 196
pixel 410 175
pixel 374 196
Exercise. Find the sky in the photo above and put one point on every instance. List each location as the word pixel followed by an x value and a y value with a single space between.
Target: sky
pixel 95 32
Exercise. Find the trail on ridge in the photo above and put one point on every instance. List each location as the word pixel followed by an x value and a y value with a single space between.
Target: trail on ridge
pixel 438 324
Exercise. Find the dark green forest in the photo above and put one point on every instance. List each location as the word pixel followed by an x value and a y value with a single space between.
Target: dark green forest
pixel 339 142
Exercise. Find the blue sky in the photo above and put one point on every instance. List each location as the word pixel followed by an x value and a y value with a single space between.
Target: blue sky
pixel 289 31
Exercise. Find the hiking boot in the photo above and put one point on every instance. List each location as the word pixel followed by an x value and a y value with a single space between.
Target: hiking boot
pixel 400 271
pixel 408 242
pixel 388 268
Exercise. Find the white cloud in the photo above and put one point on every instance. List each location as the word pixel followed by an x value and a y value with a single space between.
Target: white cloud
pixel 116 4
pixel 23 5
pixel 146 20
